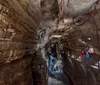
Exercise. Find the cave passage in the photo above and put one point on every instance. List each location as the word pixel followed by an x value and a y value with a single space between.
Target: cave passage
pixel 49 42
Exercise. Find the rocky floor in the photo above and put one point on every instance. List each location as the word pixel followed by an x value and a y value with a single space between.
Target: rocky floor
pixel 52 81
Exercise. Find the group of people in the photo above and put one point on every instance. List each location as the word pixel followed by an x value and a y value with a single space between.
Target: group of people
pixel 85 57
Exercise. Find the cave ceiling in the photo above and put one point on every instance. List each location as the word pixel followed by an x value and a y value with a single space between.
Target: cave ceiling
pixel 74 20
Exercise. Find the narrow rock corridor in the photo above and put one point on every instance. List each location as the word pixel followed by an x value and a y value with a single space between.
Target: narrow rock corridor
pixel 49 42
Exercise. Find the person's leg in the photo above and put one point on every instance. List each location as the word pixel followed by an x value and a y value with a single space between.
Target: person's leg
pixel 87 61
pixel 81 58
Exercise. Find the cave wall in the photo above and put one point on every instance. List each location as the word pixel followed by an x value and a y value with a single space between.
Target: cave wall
pixel 77 38
pixel 18 24
pixel 79 74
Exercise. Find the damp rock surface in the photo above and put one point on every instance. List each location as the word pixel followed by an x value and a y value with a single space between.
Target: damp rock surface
pixel 18 26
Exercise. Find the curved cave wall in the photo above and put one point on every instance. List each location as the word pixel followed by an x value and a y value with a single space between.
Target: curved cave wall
pixel 18 23
pixel 78 36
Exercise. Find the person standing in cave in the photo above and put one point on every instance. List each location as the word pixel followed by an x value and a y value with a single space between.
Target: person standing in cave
pixel 83 56
pixel 52 60
pixel 87 57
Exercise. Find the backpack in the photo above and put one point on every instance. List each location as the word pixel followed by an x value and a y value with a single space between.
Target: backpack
pixel 87 55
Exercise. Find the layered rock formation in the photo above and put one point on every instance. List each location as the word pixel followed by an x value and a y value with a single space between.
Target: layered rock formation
pixel 19 20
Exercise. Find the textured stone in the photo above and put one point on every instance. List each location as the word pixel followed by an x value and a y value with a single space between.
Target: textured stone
pixel 18 23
